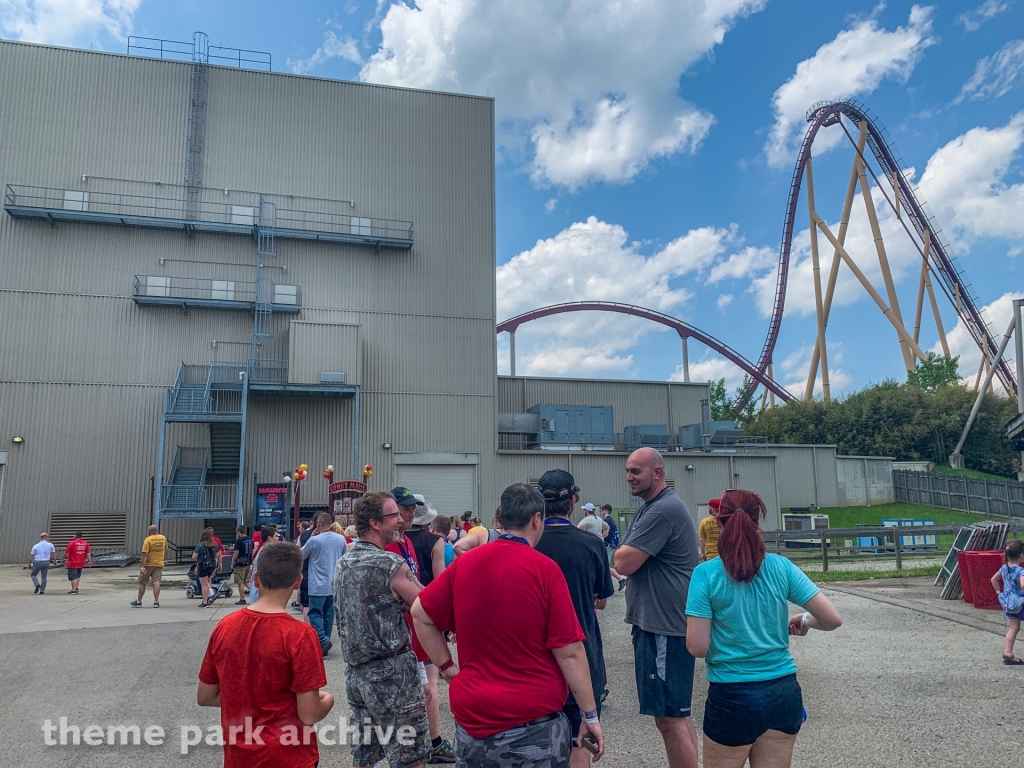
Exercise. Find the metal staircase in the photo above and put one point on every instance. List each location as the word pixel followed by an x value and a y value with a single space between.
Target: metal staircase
pixel 205 482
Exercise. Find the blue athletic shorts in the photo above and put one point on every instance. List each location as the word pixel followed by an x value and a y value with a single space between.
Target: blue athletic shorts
pixel 737 714
pixel 664 674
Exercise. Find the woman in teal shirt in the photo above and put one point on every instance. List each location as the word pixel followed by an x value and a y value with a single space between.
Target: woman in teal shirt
pixel 738 619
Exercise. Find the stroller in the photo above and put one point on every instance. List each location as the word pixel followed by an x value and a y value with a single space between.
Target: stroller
pixel 219 580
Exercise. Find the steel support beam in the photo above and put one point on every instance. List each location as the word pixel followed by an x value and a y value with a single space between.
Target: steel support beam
pixel 818 301
pixel 686 360
pixel 896 322
pixel 512 353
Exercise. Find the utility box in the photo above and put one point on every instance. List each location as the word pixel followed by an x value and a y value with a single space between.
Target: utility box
pixel 647 436
pixel 583 426
pixel 722 435
pixel 323 353
pixel 808 521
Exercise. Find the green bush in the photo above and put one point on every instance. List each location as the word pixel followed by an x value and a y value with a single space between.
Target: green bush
pixel 899 420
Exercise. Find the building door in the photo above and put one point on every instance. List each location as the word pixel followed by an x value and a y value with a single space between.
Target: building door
pixel 451 488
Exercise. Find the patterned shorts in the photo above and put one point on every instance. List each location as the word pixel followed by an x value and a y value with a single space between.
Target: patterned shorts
pixel 544 743
pixel 387 692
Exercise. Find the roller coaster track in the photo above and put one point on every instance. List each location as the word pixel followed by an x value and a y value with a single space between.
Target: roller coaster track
pixel 684 330
pixel 941 263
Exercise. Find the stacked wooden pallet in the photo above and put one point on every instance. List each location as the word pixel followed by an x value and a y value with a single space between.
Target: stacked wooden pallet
pixel 972 538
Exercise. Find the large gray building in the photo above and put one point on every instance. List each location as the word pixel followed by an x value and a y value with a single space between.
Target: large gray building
pixel 211 274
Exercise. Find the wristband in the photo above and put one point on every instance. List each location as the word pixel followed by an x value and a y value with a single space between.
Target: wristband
pixel 446 666
pixel 589 717
pixel 803 620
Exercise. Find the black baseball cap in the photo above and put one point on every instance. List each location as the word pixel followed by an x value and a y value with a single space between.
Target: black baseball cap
pixel 405 497
pixel 557 484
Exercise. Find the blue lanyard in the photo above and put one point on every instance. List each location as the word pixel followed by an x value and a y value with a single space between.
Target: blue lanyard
pixel 558 521
pixel 510 537
pixel 409 559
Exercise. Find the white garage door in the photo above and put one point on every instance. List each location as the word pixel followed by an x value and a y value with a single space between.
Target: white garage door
pixel 451 488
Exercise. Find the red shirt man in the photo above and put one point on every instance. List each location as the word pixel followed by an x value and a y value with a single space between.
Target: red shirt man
pixel 76 553
pixel 520 644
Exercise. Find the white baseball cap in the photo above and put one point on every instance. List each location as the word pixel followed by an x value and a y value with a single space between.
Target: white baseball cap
pixel 589 507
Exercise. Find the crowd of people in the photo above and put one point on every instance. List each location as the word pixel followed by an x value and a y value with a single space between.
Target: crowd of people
pixel 508 617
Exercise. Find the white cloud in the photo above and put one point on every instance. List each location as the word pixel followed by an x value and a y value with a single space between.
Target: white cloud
pixel 67 22
pixel 744 263
pixel 998 315
pixel 549 206
pixel 724 300
pixel 594 260
pixel 995 75
pixel 854 63
pixel 972 20
pixel 332 48
pixel 711 367
pixel 965 187
pixel 590 89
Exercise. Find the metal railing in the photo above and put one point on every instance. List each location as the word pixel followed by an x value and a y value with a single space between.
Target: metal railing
pixel 177 50
pixel 154 204
pixel 988 497
pixel 199 498
pixel 207 390
pixel 157 287
pixel 268 371
pixel 510 441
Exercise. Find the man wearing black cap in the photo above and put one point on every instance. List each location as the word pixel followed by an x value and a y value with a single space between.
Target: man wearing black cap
pixel 581 558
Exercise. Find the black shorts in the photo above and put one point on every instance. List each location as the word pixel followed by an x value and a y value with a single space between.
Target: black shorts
pixel 664 674
pixel 572 713
pixel 737 714
pixel 74 573
pixel 304 593
pixel 205 573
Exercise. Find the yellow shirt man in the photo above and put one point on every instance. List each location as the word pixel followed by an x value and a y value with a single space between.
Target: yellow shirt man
pixel 708 533
pixel 153 550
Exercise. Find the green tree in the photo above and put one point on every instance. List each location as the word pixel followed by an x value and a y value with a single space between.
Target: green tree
pixel 905 421
pixel 741 408
pixel 937 371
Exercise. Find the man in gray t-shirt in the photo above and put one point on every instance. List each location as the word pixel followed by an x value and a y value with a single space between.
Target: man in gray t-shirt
pixel 323 550
pixel 658 554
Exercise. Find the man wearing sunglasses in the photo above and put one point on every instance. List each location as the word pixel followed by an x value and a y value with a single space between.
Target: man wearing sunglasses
pixel 373 589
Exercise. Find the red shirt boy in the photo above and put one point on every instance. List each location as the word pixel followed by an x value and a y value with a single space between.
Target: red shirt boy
pixel 76 553
pixel 260 668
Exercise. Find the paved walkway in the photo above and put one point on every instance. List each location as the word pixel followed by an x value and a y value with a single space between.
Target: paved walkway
pixel 900 685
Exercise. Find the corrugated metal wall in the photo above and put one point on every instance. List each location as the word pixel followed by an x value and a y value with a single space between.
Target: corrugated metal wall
pixel 427 315
pixel 807 475
pixel 636 402
pixel 864 480
pixel 602 477
pixel 314 348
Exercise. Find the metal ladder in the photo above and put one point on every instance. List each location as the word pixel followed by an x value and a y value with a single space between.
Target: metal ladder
pixel 265 249
pixel 196 124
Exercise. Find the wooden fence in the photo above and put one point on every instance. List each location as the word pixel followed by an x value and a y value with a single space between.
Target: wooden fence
pixel 986 497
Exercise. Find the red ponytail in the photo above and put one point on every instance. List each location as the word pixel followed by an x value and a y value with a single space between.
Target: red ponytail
pixel 740 545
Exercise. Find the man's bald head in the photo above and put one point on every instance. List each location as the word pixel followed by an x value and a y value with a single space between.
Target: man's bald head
pixel 648 457
pixel 153 529
pixel 645 473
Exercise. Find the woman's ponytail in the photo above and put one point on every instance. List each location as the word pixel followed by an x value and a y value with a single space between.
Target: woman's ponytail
pixel 740 545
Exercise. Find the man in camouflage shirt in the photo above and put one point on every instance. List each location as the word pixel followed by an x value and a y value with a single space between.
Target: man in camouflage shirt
pixel 372 591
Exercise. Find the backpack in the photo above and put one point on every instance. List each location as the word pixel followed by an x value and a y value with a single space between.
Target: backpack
pixel 245 553
pixel 613 535
pixel 1011 598
pixel 208 558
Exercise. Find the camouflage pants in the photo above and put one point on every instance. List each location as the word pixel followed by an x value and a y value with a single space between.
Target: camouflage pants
pixel 387 693
pixel 544 744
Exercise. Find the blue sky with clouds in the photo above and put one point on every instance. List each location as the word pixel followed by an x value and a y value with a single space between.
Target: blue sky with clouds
pixel 645 150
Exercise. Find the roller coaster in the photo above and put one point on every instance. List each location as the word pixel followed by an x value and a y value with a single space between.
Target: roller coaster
pixel 865 134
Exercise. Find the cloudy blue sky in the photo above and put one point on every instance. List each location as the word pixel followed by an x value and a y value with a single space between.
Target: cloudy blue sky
pixel 645 149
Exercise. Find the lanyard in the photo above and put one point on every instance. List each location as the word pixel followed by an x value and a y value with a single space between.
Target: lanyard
pixel 558 521
pixel 407 555
pixel 511 537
